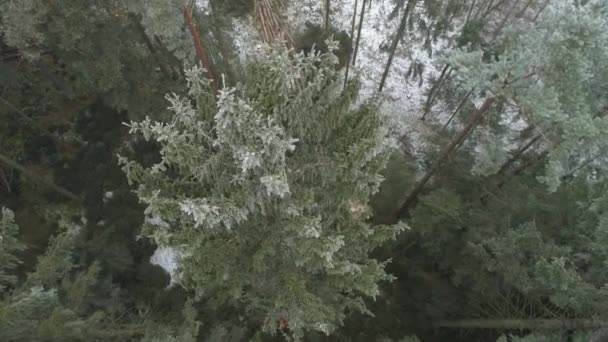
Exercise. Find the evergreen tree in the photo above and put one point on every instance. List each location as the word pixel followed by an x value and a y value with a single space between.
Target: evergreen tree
pixel 530 76
pixel 264 197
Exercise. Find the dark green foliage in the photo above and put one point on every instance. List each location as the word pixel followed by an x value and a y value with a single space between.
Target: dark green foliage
pixel 237 8
pixel 316 35
pixel 398 179
pixel 471 33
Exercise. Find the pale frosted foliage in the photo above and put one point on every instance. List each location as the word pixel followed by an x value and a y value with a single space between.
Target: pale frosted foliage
pixel 20 25
pixel 256 191
pixel 491 153
pixel 556 72
pixel 163 19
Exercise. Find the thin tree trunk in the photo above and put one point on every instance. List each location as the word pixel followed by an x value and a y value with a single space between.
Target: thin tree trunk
pixel 502 24
pixel 542 8
pixel 469 13
pixel 434 89
pixel 464 100
pixel 359 32
pixel 327 14
pixel 523 10
pixel 524 167
pixel 519 153
pixel 200 51
pixel 395 43
pixel 479 9
pixel 580 167
pixel 493 8
pixel 474 120
pixel 521 324
pixel 529 163
pixel 352 33
pixel 37 178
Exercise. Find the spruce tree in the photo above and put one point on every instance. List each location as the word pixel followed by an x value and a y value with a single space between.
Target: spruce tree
pixel 264 195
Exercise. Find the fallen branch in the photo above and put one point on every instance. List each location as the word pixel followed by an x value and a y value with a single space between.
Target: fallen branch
pixel 521 324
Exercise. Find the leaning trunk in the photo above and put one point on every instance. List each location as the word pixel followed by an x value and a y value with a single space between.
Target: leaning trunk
pixel 359 31
pixel 395 43
pixel 443 156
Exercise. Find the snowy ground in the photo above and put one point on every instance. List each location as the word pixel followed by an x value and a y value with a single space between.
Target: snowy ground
pixel 403 98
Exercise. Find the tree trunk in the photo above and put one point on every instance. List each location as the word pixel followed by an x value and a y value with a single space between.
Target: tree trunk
pixel 519 153
pixel 359 32
pixel 395 43
pixel 523 324
pixel 443 156
pixel 352 34
pixel 434 89
pixel 502 23
pixel 542 8
pixel 37 178
pixel 327 14
pixel 523 10
pixel 200 51
pixel 464 100
pixel 466 21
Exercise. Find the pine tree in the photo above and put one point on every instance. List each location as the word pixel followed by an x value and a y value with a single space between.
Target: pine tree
pixel 264 197
pixel 530 76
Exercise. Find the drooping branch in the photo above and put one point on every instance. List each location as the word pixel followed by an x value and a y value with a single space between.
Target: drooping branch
pixel 38 178
pixel 200 51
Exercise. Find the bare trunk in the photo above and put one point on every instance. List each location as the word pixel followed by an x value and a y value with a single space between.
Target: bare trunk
pixel 519 153
pixel 523 324
pixel 474 120
pixel 395 43
pixel 464 100
pixel 434 89
pixel 359 32
pixel 542 8
pixel 352 33
pixel 502 24
pixel 523 10
pixel 469 13
pixel 327 14
pixel 200 51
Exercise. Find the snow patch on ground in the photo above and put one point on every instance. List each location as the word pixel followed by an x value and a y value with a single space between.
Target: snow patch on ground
pixel 167 258
pixel 247 41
